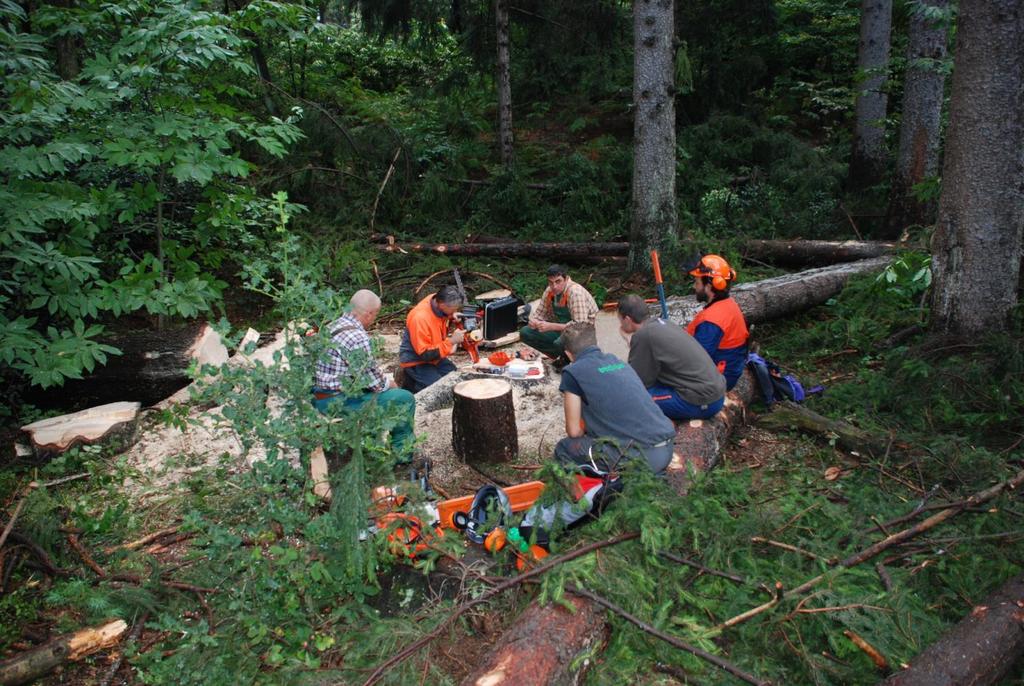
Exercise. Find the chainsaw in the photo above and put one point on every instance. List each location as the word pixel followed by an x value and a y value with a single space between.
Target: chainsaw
pixel 469 322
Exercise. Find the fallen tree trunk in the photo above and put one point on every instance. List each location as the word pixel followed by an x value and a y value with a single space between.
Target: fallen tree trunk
pixel 783 295
pixel 152 365
pixel 980 650
pixel 792 253
pixel 562 635
pixel 33 663
pixel 699 442
pixel 552 250
pixel 807 253
pixel 789 415
pixel 697 446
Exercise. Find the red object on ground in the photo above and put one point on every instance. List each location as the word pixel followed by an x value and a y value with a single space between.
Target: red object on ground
pixel 499 359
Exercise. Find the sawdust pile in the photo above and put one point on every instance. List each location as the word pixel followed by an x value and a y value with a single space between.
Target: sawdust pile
pixel 539 420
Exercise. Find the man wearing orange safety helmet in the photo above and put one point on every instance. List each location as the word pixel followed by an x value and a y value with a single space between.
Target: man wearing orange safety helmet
pixel 720 327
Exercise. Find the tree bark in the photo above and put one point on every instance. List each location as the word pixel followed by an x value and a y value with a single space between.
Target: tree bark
pixel 654 129
pixel 68 48
pixel 976 249
pixel 978 651
pixel 867 161
pixel 152 365
pixel 542 646
pixel 553 250
pixel 504 82
pixel 783 295
pixel 34 663
pixel 484 422
pixel 923 86
pixel 813 253
pixel 790 415
pixel 780 252
pixel 698 442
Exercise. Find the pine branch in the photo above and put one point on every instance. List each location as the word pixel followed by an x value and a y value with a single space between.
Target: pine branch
pixel 671 640
pixel 415 647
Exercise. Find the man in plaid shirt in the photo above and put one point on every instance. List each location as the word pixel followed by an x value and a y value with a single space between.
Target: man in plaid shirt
pixel 564 302
pixel 348 374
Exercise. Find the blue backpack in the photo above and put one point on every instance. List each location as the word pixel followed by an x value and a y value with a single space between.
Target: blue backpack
pixel 774 384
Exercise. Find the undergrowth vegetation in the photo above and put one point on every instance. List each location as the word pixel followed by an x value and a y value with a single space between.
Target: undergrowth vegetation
pixel 287 590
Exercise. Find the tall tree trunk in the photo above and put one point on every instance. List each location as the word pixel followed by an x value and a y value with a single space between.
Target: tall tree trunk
pixel 259 58
pixel 504 82
pixel 67 48
pixel 976 249
pixel 918 157
pixel 867 161
pixel 654 132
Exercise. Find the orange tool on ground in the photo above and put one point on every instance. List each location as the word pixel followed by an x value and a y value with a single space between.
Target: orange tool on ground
pixel 521 497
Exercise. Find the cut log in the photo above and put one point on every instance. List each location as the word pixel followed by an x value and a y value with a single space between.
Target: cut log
pixel 780 252
pixel 496 294
pixel 980 650
pixel 783 295
pixel 788 415
pixel 543 646
pixel 152 365
pixel 810 253
pixel 113 425
pixel 551 250
pixel 484 422
pixel 699 442
pixel 32 664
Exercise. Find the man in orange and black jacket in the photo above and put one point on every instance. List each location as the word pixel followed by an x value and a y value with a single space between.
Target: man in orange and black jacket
pixel 426 343
pixel 720 327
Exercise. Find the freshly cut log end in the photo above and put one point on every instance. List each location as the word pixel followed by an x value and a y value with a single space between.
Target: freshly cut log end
pixel 484 421
pixel 542 645
pixel 114 425
pixel 978 651
pixel 32 664
pixel 698 442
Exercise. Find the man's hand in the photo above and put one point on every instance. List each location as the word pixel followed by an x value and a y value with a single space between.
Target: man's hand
pixel 540 325
pixel 457 336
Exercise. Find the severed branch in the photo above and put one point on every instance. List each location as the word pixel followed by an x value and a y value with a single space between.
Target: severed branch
pixel 895 539
pixel 482 275
pixel 17 510
pixel 740 618
pixel 791 548
pixel 145 540
pixel 415 647
pixel 671 640
pixel 869 649
pixel 704 570
pixel 86 557
pixel 136 631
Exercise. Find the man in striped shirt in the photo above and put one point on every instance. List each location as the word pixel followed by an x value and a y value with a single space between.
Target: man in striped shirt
pixel 348 374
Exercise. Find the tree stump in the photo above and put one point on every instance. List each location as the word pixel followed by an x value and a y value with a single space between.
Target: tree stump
pixel 484 421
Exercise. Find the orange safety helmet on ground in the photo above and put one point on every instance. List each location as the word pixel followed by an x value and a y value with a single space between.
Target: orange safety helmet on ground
pixel 715 268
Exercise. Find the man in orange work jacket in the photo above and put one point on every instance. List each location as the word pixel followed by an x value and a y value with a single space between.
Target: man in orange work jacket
pixel 426 343
pixel 720 327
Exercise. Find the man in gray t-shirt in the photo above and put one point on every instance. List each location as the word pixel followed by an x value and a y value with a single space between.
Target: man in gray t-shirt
pixel 608 409
pixel 678 373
